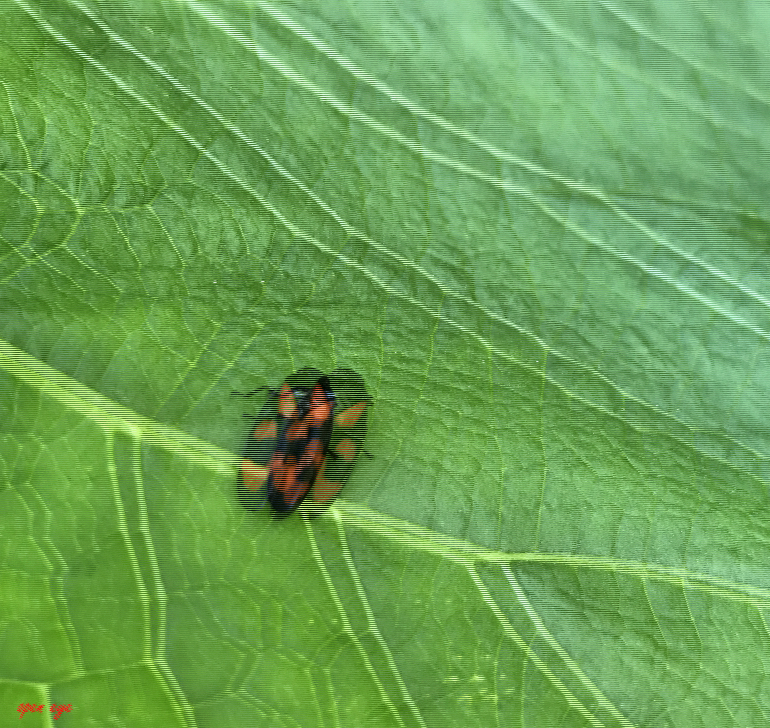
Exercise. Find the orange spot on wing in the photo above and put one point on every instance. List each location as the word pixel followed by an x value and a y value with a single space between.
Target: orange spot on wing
pixel 346 448
pixel 325 490
pixel 287 405
pixel 265 431
pixel 349 417
pixel 283 478
pixel 297 430
pixel 313 453
pixel 254 476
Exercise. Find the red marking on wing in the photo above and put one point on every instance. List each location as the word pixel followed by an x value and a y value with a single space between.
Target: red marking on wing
pixel 283 477
pixel 297 430
pixel 293 468
pixel 265 431
pixel 313 453
pixel 324 490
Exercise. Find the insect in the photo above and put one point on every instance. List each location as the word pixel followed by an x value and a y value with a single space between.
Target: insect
pixel 301 442
pixel 350 423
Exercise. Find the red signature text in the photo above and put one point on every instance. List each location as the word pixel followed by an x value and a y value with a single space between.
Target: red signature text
pixel 32 708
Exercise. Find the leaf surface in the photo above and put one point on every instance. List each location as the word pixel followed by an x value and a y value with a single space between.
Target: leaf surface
pixel 539 233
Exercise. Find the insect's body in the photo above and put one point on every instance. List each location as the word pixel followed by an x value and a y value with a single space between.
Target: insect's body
pixel 301 448
pixel 298 446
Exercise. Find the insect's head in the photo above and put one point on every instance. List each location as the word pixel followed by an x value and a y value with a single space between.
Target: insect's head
pixel 302 398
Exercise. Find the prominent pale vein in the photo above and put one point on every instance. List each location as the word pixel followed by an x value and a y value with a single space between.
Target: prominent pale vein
pixel 372 622
pixel 125 533
pixel 347 628
pixel 301 234
pixel 569 696
pixel 463 552
pixel 110 415
pixel 114 417
pixel 564 656
pixel 700 68
pixel 464 134
pixel 534 11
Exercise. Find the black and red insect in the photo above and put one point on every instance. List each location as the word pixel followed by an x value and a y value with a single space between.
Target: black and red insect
pixel 304 441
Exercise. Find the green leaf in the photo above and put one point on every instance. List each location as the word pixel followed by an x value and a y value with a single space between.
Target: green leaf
pixel 539 233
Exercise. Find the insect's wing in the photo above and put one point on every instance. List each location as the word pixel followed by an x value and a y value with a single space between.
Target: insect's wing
pixel 347 437
pixel 261 440
pixel 266 433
